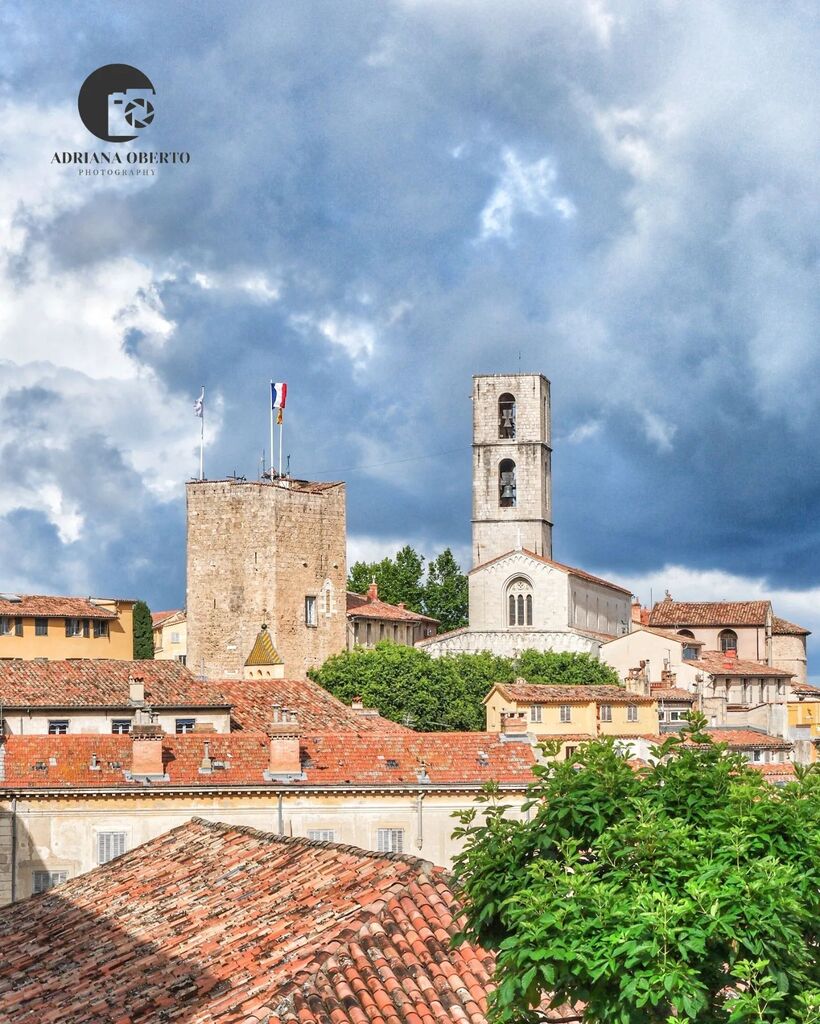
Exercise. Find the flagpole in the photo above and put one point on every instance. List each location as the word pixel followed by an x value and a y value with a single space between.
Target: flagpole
pixel 202 438
pixel 281 428
pixel 270 403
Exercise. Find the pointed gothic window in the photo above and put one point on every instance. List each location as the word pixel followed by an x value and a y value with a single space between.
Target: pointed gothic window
pixel 506 417
pixel 506 483
pixel 519 602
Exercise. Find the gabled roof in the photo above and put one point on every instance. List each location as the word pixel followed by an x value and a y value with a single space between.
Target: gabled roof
pixel 359 607
pixel 263 651
pixel 523 692
pixel 805 690
pixel 748 739
pixel 102 682
pixel 709 613
pixel 252 703
pixel 164 618
pixel 667 634
pixel 717 664
pixel 672 693
pixel 569 569
pixel 782 627
pixel 43 606
pixel 219 923
pixel 369 759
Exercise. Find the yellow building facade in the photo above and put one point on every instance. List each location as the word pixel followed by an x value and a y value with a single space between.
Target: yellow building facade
pixel 38 627
pixel 804 718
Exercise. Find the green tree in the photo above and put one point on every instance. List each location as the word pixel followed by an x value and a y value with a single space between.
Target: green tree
pixel 445 592
pixel 565 669
pixel 399 579
pixel 685 892
pixel 143 633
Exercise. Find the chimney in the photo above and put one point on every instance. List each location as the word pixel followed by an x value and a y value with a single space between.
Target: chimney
pixel 636 610
pixel 207 764
pixel 637 679
pixel 514 727
pixel 400 604
pixel 357 704
pixel 668 677
pixel 373 590
pixel 284 732
pixel 146 753
pixel 136 689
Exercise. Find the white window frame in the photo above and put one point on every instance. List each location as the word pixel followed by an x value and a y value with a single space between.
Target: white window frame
pixel 58 724
pixel 390 840
pixel 120 722
pixel 566 713
pixel 606 712
pixel 632 712
pixel 311 618
pixel 535 712
pixel 42 881
pixel 322 835
pixel 110 845
pixel 184 726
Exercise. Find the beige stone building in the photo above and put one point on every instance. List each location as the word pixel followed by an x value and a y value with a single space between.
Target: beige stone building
pixel 265 553
pixel 655 651
pixel 170 629
pixel 42 627
pixel 370 620
pixel 750 628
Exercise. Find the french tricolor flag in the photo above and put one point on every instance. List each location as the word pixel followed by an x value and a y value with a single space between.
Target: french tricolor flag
pixel 278 395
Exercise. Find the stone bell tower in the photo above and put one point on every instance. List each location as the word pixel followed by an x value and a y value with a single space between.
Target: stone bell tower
pixel 512 473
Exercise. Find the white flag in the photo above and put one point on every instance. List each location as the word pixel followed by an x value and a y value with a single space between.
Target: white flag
pixel 199 404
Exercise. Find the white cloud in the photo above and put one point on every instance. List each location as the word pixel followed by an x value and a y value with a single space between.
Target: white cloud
pixel 523 188
pixel 356 336
pixel 367 548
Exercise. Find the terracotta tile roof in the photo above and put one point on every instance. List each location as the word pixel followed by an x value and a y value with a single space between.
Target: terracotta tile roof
pixel 102 683
pixel 668 634
pixel 571 570
pixel 263 652
pixel 158 618
pixel 41 606
pixel 709 613
pixel 535 693
pixel 783 772
pixel 252 702
pixel 782 627
pixel 717 664
pixel 328 759
pixel 805 690
pixel 748 739
pixel 359 607
pixel 213 923
pixel 672 693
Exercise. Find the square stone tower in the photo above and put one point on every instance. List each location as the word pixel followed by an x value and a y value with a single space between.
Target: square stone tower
pixel 512 472
pixel 265 553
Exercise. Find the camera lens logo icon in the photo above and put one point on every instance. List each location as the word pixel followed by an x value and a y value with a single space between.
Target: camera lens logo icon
pixel 116 102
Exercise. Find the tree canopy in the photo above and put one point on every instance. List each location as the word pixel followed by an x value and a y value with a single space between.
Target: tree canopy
pixel 143 632
pixel 440 593
pixel 687 892
pixel 407 685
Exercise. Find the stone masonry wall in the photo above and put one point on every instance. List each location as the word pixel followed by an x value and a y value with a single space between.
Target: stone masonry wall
pixel 254 552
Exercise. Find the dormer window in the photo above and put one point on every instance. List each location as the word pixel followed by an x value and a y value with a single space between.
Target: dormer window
pixel 506 484
pixel 506 417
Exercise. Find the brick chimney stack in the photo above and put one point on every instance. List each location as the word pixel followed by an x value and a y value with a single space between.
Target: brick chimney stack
pixel 146 750
pixel 668 677
pixel 284 732
pixel 514 727
pixel 373 591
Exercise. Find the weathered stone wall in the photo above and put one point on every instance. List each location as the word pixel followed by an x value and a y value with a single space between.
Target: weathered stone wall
pixel 509 643
pixel 255 552
pixel 496 530
pixel 789 652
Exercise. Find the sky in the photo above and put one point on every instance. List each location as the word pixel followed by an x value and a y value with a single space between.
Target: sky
pixel 382 200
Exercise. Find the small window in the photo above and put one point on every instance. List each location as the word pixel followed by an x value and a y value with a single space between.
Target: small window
pixel 6 628
pixel 184 725
pixel 632 712
pixel 606 712
pixel 390 840
pixel 727 639
pixel 18 626
pixel 687 633
pixel 678 716
pixel 182 658
pixel 57 726
pixel 690 653
pixel 322 835
pixel 41 627
pixel 109 846
pixel 100 628
pixel 120 725
pixel 45 880
pixel 310 611
pixel 535 712
pixel 569 752
pixel 369 634
pixel 73 627
pixel 566 712
pixel 175 638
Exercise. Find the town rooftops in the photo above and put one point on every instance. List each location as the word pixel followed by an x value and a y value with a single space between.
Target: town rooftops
pixel 523 692
pixel 672 693
pixel 43 606
pixel 218 923
pixel 360 606
pixel 251 701
pixel 719 664
pixel 741 738
pixel 103 682
pixel 367 760
pixel 709 613
pixel 806 691
pixel 569 569
pixel 782 627
pixel 162 618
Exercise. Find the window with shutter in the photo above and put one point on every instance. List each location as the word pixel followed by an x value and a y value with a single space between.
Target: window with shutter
pixel 390 840
pixel 18 626
pixel 322 835
pixel 45 880
pixel 86 629
pixel 109 846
